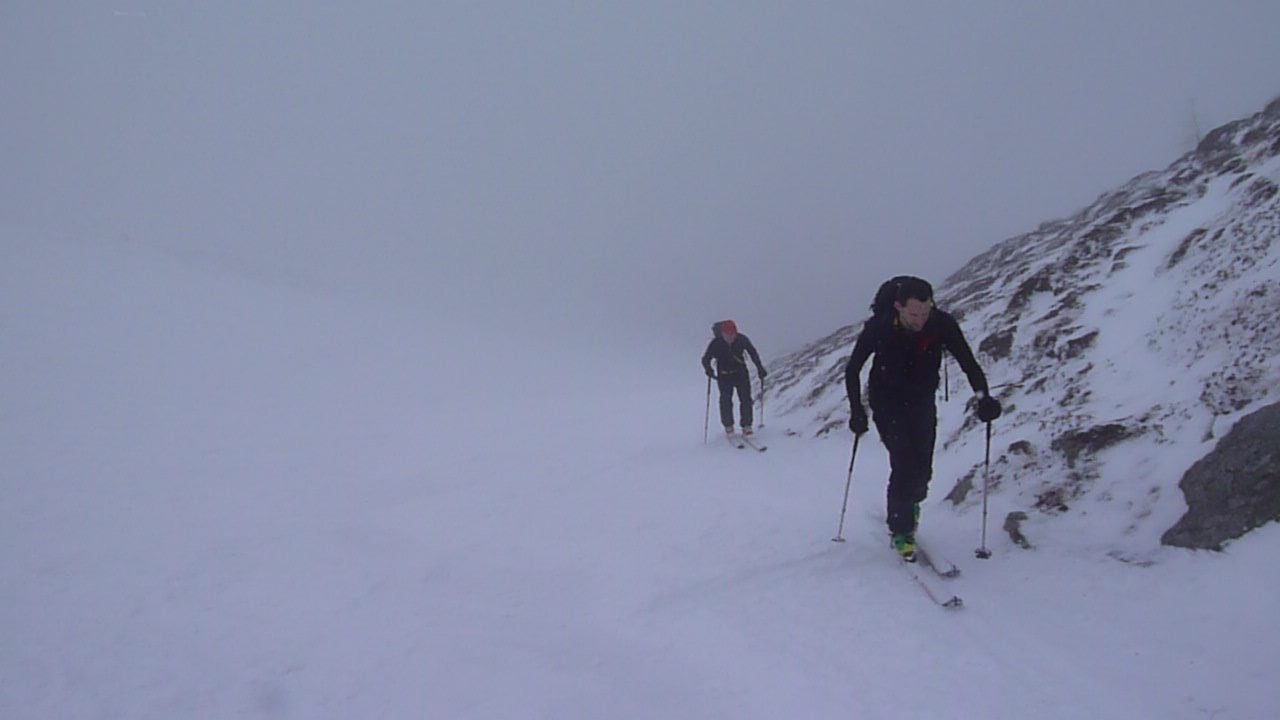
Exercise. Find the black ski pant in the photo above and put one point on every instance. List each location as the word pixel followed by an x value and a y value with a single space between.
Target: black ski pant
pixel 728 382
pixel 908 431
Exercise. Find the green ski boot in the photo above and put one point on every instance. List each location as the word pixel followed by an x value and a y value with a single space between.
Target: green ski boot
pixel 905 545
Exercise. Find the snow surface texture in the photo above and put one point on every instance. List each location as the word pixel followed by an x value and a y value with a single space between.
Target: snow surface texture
pixel 225 497
pixel 1123 341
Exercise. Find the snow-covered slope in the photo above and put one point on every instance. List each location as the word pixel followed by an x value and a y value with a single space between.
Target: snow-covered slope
pixel 1146 321
pixel 225 498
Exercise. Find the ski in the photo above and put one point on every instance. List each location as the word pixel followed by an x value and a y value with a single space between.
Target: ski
pixel 752 443
pixel 735 441
pixel 952 603
pixel 943 568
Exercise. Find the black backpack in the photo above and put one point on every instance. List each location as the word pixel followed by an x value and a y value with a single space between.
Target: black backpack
pixel 716 326
pixel 887 295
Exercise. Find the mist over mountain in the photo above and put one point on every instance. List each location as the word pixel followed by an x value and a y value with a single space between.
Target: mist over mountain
pixel 349 359
pixel 1125 341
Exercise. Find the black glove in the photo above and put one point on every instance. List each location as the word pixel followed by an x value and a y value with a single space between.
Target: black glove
pixel 711 374
pixel 857 420
pixel 763 373
pixel 988 409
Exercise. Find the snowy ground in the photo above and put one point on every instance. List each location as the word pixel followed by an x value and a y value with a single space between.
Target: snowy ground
pixel 230 499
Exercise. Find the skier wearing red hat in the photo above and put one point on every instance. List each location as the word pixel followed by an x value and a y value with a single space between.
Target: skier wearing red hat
pixel 729 349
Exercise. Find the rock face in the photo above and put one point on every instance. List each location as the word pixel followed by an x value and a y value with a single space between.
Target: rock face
pixel 1235 488
pixel 1122 340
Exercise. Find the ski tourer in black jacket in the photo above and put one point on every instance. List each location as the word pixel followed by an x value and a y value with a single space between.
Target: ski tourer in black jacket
pixel 732 376
pixel 730 358
pixel 903 382
pixel 906 365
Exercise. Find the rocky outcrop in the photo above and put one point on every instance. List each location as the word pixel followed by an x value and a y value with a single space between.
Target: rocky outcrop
pixel 1235 488
pixel 1139 324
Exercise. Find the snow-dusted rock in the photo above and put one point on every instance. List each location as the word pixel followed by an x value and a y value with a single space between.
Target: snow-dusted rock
pixel 1235 488
pixel 1123 340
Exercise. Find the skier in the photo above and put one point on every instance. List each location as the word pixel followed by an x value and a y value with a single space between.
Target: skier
pixel 907 334
pixel 729 349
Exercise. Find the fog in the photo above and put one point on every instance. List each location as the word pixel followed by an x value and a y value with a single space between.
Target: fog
pixel 602 170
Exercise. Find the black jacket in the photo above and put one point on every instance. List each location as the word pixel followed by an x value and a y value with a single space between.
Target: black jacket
pixel 906 366
pixel 731 359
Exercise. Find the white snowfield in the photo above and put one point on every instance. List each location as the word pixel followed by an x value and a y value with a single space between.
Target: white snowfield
pixel 227 499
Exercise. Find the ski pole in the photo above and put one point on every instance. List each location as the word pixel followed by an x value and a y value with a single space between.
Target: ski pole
pixel 706 418
pixel 982 552
pixel 946 381
pixel 762 402
pixel 849 481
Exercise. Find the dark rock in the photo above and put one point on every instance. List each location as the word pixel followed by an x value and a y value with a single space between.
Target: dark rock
pixel 831 426
pixel 1013 525
pixel 1076 346
pixel 1161 201
pixel 1236 165
pixel 1038 282
pixel 1233 489
pixel 1218 147
pixel 1021 447
pixel 997 345
pixel 1123 253
pixel 1261 191
pixel 1053 500
pixel 1046 342
pixel 1078 442
pixel 1245 177
pixel 1184 246
pixel 961 489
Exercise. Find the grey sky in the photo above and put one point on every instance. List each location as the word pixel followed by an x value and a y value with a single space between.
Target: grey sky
pixel 644 168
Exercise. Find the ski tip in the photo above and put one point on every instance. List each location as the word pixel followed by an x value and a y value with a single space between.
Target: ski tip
pixel 952 572
pixel 955 603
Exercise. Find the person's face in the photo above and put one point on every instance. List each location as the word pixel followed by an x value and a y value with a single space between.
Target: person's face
pixel 729 336
pixel 914 313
